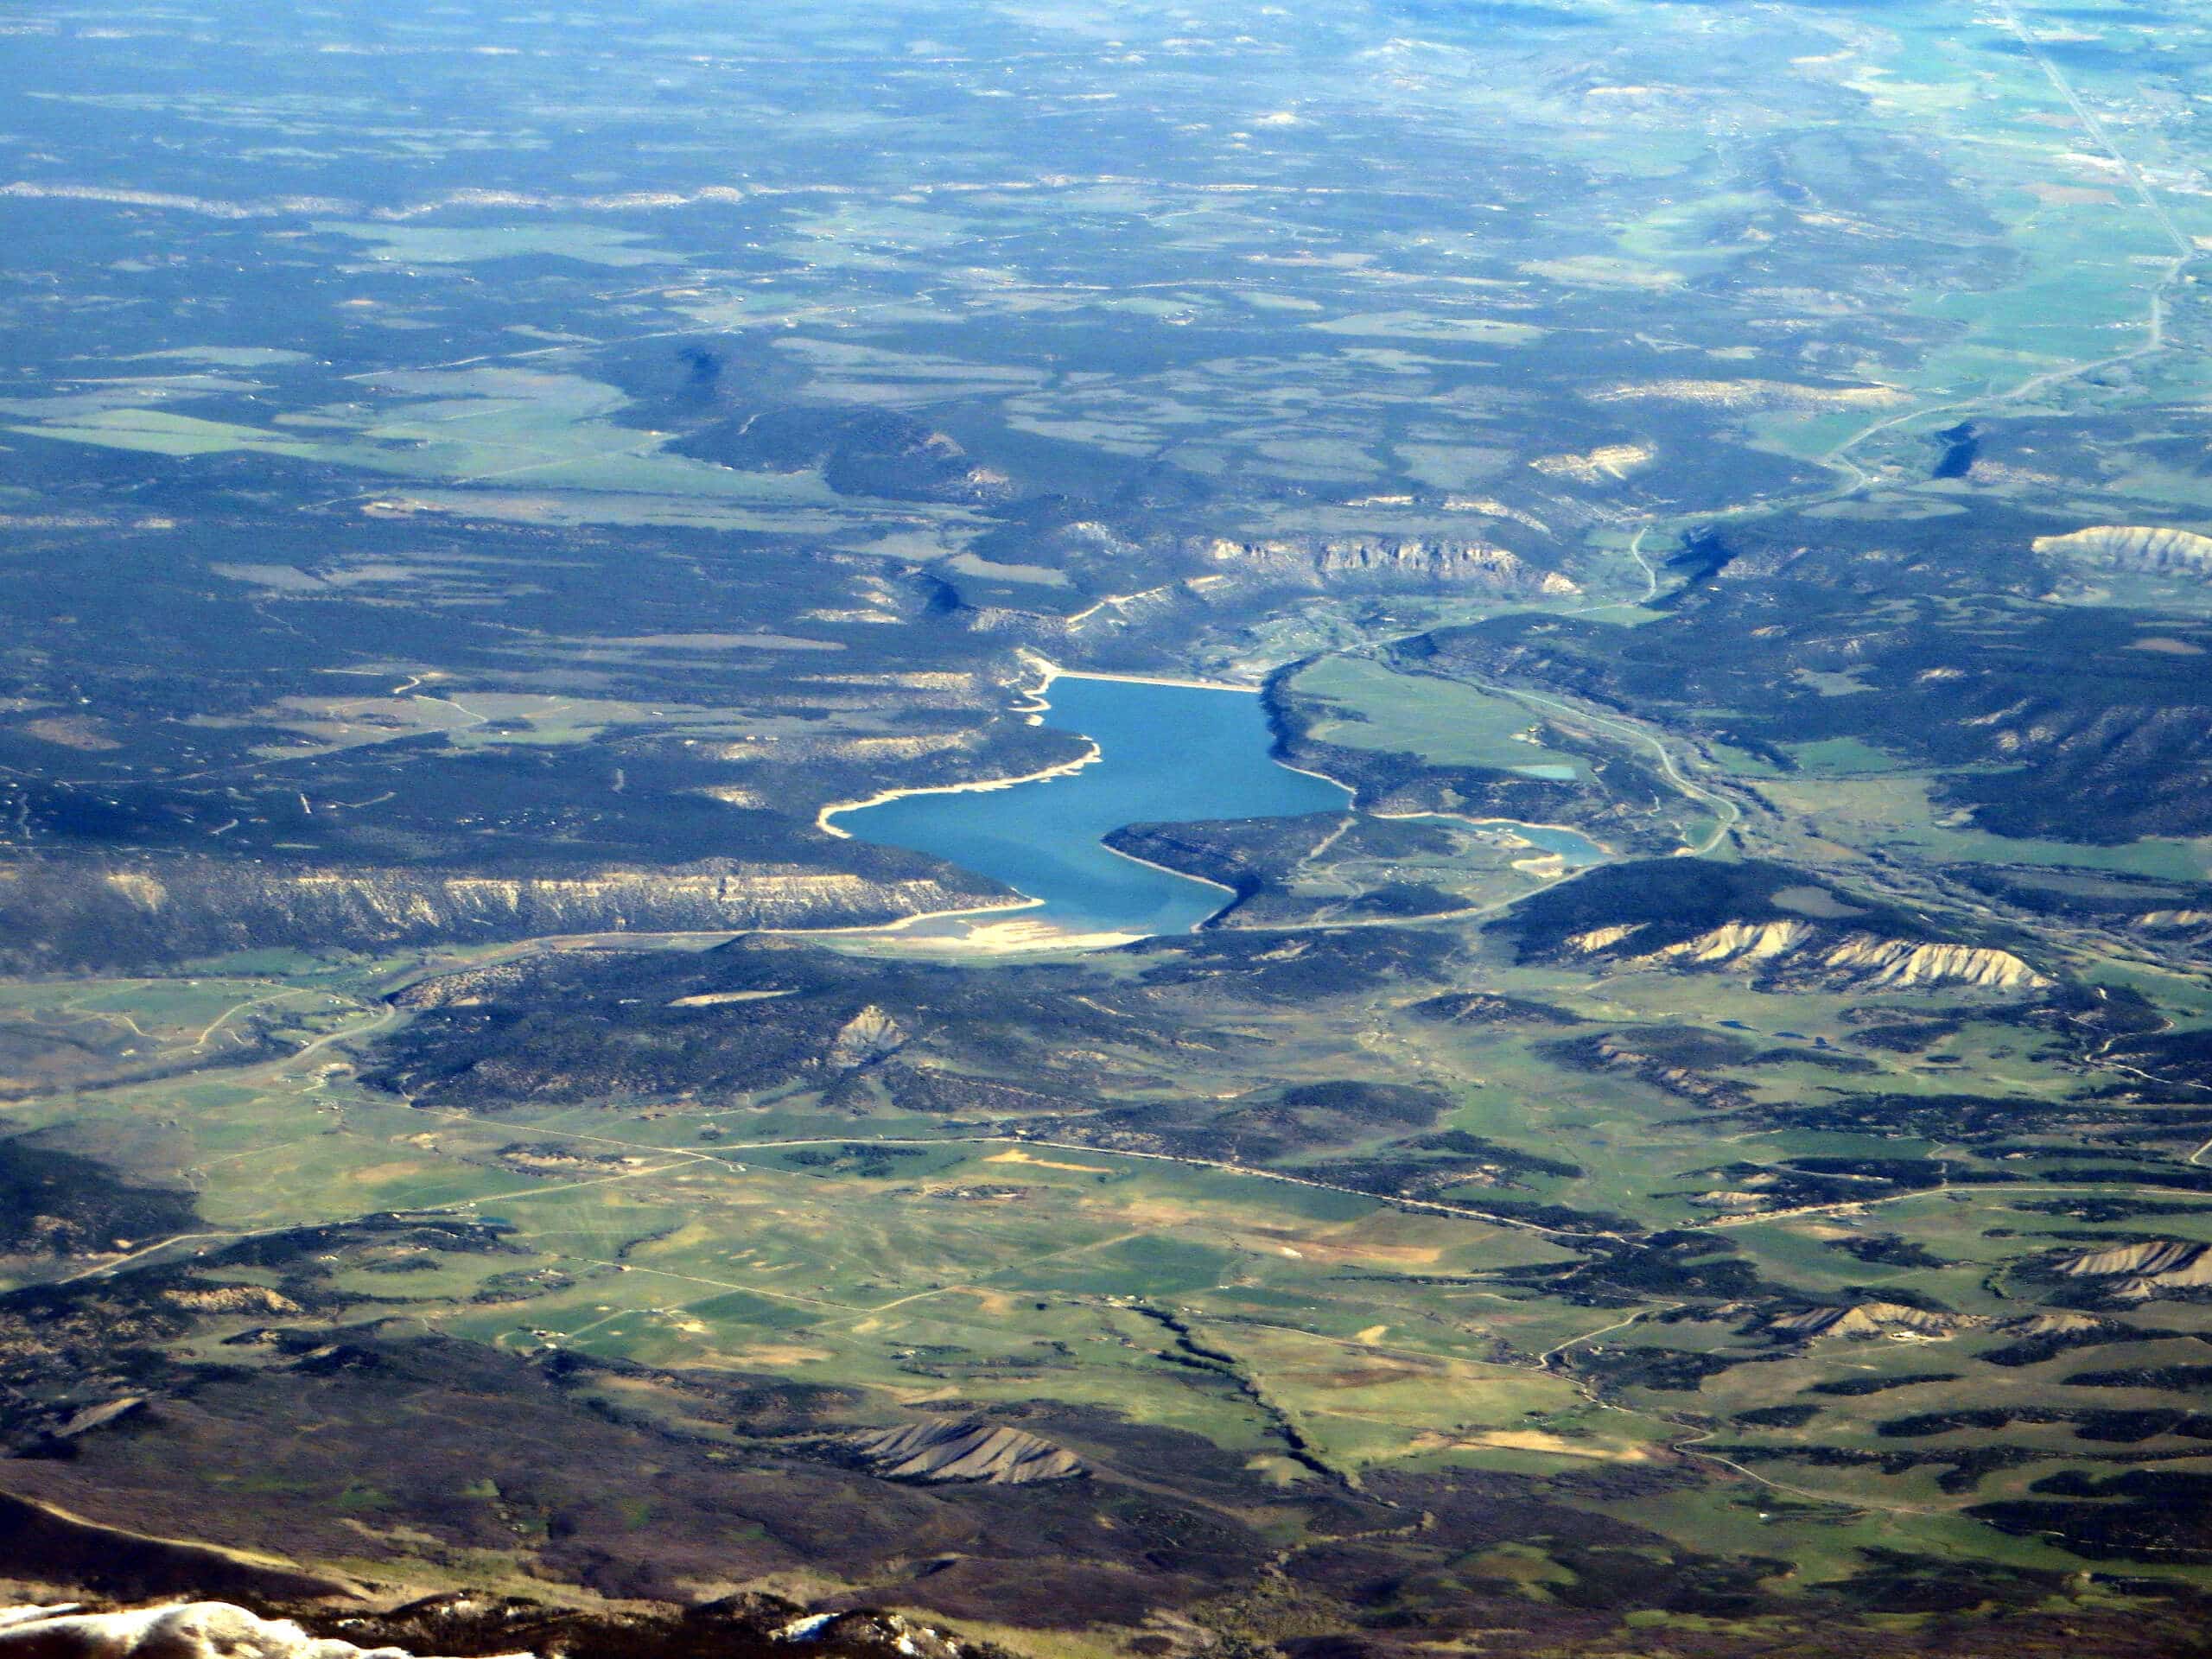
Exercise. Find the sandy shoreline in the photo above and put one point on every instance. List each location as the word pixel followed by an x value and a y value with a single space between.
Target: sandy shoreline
pixel 1010 937
pixel 986 937
pixel 1167 869
pixel 1155 679
pixel 883 797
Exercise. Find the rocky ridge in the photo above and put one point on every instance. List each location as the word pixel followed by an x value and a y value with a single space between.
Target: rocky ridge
pixel 1810 952
pixel 87 915
pixel 1314 563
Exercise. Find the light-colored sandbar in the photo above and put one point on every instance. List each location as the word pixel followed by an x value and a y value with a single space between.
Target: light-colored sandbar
pixel 1350 794
pixel 1051 671
pixel 1158 679
pixel 1003 939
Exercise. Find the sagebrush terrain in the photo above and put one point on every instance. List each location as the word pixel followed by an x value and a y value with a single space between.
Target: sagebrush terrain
pixel 1710 1152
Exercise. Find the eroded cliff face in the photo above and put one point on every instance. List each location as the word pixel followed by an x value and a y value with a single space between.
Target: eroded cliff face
pixel 1313 563
pixel 2174 921
pixel 1887 964
pixel 1209 572
pixel 1785 953
pixel 73 915
pixel 943 1449
pixel 2139 1271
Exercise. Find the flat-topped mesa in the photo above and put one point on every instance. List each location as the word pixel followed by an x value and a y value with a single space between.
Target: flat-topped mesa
pixel 2135 547
pixel 1311 561
pixel 197 906
pixel 1751 394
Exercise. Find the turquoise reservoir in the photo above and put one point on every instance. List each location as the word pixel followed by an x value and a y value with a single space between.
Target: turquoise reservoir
pixel 1168 754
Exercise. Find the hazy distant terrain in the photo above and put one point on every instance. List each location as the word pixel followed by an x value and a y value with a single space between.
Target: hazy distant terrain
pixel 1709 1152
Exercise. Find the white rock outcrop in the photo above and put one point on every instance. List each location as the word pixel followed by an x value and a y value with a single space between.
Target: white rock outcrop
pixel 1739 942
pixel 1440 563
pixel 868 1036
pixel 952 1449
pixel 1885 962
pixel 1604 938
pixel 2135 547
pixel 178 1629
pixel 1866 961
pixel 1607 464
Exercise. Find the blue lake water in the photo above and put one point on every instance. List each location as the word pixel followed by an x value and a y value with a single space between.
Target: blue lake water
pixel 1168 754
pixel 1576 848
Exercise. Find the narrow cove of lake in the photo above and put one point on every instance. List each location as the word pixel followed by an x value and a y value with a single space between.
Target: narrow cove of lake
pixel 1168 754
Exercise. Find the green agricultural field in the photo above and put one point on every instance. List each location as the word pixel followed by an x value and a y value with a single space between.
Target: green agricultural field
pixel 1440 721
